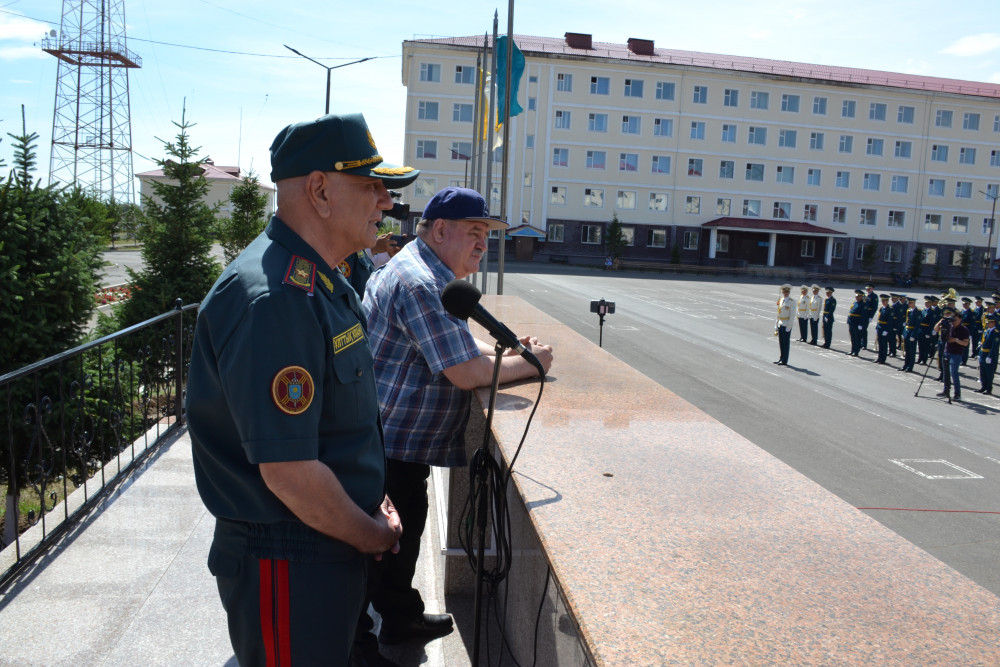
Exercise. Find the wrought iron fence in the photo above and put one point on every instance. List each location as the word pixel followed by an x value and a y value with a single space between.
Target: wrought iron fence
pixel 74 425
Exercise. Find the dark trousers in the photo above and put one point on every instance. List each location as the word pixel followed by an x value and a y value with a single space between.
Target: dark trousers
pixel 814 329
pixel 892 343
pixel 827 330
pixel 882 334
pixel 390 581
pixel 803 328
pixel 784 343
pixel 974 337
pixel 987 371
pixel 925 345
pixel 856 331
pixel 910 345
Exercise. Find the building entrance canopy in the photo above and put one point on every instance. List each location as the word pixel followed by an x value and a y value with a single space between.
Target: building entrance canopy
pixel 748 233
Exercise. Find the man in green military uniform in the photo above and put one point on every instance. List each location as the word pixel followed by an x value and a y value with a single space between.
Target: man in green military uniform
pixel 283 411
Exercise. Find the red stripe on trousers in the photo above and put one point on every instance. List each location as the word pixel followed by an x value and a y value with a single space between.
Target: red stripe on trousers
pixel 275 612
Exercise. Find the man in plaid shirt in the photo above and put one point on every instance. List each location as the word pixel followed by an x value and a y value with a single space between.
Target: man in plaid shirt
pixel 426 364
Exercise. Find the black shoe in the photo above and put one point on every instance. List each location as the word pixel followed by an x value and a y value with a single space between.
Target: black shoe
pixel 977 391
pixel 426 626
pixel 826 347
pixel 943 394
pixel 781 363
pixel 813 343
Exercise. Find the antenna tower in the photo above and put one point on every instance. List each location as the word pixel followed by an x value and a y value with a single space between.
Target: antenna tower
pixel 92 124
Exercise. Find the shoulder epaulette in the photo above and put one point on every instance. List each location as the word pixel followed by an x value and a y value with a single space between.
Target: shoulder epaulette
pixel 301 273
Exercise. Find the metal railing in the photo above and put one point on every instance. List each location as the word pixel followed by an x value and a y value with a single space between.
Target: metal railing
pixel 74 425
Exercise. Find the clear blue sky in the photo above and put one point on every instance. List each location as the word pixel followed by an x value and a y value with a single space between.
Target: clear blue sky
pixel 241 85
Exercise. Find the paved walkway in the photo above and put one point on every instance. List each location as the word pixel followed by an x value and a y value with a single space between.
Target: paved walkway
pixel 128 585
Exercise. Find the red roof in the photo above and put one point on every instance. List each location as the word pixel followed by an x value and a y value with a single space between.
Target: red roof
pixel 557 45
pixel 780 226
pixel 211 172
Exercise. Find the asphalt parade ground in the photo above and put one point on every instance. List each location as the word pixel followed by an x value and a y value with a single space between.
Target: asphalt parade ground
pixel 924 468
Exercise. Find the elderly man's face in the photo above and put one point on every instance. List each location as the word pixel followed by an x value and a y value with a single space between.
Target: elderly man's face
pixel 460 244
pixel 358 205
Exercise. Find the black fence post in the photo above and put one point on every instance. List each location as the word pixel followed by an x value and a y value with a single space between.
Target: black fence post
pixel 179 363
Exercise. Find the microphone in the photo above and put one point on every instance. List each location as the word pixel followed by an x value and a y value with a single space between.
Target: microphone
pixel 461 300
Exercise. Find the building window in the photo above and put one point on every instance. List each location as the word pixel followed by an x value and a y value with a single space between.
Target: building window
pixel 427 149
pixel 942 118
pixel 810 212
pixel 966 155
pixel 633 87
pixel 430 72
pixel 848 109
pixel 939 153
pixel 935 187
pixel 723 206
pixel 876 111
pixel 465 74
pixel 590 234
pixel 558 195
pixel 987 226
pixel 759 99
pixel 995 158
pixel 597 122
pixel 630 124
pixel 956 258
pixel 628 235
pixel 757 135
pixel 560 157
pixel 596 159
pixel 692 204
pixel 690 240
pixel 963 189
pixel 900 184
pixel 960 224
pixel 893 254
pixel 427 110
pixel 656 238
pixel 813 176
pixel 846 143
pixel 532 104
pixel 658 201
pixel 564 82
pixel 562 120
pixel 930 256
pixel 462 113
pixel 837 252
pixel 529 141
pixel 726 168
pixel 755 172
pixel 816 141
pixel 787 138
pixel 932 222
pixel 905 115
pixel 729 133
pixel 625 199
pixel 722 243
pixel 808 248
pixel 751 208
pixel 859 251
pixel 843 179
pixel 555 233
pixel 664 90
pixel 839 215
pixel 593 197
pixel 872 182
pixel 897 219
pixel 875 146
pixel 782 210
pixel 700 95
pixel 661 164
pixel 996 123
pixel 628 162
pixel 663 127
pixel 819 106
pixel 461 150
pixel 694 166
pixel 790 103
pixel 903 149
pixel 784 174
pixel 600 85
pixel 425 187
pixel 697 130
pixel 970 121
pixel 992 191
pixel 731 97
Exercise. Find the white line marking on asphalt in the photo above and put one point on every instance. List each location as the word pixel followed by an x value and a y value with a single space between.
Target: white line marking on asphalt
pixel 968 474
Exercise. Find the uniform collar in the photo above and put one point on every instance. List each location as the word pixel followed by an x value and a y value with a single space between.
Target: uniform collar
pixel 279 232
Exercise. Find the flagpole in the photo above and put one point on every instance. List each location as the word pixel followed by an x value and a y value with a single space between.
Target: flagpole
pixel 506 143
pixel 488 190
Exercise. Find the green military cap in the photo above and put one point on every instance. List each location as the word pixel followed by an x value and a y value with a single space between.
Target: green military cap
pixel 884 297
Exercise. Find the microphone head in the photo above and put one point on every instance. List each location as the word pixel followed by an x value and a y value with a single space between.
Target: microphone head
pixel 460 298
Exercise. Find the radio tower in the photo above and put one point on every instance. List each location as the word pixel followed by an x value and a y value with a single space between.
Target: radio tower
pixel 91 124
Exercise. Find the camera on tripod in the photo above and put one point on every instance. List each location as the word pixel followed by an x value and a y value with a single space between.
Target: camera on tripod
pixel 399 211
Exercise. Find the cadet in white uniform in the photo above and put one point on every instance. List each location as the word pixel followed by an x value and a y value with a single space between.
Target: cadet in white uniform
pixel 783 325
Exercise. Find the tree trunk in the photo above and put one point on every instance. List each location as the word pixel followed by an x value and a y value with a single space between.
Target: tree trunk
pixel 10 522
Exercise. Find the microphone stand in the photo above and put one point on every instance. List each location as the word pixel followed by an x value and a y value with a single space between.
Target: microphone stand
pixel 481 510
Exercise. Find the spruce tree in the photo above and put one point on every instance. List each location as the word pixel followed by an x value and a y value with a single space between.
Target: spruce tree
pixel 247 221
pixel 177 241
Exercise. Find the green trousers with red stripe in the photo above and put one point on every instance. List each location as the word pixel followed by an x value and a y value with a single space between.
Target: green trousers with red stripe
pixel 282 611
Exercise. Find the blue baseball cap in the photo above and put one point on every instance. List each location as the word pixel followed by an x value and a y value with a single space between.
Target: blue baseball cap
pixel 461 204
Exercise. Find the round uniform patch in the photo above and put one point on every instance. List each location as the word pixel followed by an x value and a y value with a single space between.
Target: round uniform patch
pixel 345 268
pixel 292 390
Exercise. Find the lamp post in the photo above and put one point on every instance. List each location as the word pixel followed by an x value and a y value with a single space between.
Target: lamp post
pixel 989 244
pixel 328 68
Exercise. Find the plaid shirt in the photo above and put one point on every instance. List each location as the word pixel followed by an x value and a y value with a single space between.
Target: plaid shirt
pixel 413 340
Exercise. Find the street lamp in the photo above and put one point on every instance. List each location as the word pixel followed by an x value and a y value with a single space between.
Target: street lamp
pixel 327 68
pixel 989 244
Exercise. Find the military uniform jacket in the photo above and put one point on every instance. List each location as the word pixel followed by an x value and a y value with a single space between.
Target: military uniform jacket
pixel 785 311
pixel 815 306
pixel 858 314
pixel 802 307
pixel 871 305
pixel 988 348
pixel 885 318
pixel 281 370
pixel 829 305
pixel 898 316
pixel 913 320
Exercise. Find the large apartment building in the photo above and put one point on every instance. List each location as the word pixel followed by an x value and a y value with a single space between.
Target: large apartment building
pixel 720 159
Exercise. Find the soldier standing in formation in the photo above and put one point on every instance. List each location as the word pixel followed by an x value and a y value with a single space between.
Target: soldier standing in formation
pixel 988 356
pixel 829 305
pixel 802 313
pixel 871 307
pixel 815 310
pixel 977 315
pixel 783 325
pixel 883 329
pixel 911 333
pixel 857 322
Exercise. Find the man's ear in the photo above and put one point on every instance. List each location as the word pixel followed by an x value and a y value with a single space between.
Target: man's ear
pixel 316 192
pixel 438 229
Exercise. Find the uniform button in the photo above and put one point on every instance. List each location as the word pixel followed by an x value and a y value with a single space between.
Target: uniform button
pixel 359 372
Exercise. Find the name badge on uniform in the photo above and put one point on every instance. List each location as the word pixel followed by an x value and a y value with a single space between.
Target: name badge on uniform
pixel 343 341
